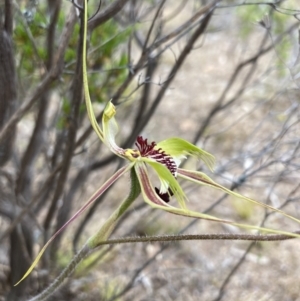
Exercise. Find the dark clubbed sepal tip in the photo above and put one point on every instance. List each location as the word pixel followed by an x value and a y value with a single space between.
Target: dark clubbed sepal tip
pixel 164 196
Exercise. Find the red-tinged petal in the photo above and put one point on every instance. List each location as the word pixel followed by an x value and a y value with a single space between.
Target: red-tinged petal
pixel 149 194
pixel 167 180
pixel 202 179
pixel 153 199
pixel 92 199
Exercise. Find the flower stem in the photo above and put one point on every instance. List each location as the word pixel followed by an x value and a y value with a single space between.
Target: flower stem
pixel 64 274
pixel 93 242
pixel 109 225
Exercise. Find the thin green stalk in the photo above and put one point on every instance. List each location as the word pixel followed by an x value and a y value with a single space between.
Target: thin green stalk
pixel 64 274
pixel 93 242
pixel 105 231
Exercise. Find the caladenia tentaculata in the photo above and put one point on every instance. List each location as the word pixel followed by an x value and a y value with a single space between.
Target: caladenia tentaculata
pixel 164 159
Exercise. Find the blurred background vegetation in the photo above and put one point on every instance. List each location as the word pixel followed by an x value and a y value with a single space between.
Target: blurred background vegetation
pixel 222 74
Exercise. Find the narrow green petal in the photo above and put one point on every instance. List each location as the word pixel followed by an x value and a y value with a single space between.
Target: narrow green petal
pixel 156 202
pixel 87 97
pixel 109 124
pixel 179 148
pixel 92 199
pixel 203 179
pixel 167 180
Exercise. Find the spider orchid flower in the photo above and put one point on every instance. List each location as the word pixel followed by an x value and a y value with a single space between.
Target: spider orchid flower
pixel 164 158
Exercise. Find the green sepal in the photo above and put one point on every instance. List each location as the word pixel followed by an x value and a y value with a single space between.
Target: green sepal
pixel 87 97
pixel 203 179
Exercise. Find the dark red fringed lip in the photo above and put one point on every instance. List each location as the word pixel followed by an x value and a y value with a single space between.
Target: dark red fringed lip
pixel 149 151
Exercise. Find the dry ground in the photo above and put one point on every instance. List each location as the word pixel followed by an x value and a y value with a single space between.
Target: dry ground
pixel 193 271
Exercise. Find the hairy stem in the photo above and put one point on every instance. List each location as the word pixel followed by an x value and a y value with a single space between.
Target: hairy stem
pixel 221 236
pixel 64 274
